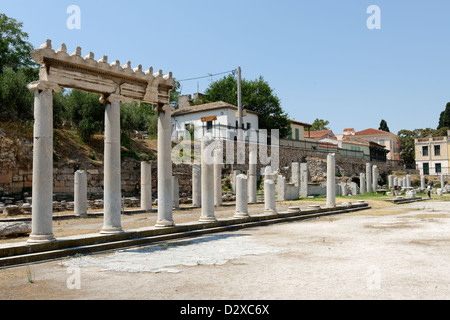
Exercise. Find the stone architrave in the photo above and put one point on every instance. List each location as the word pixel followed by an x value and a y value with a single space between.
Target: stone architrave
pixel 207 210
pixel 331 180
pixel 375 178
pixel 165 183
pixel 304 178
pixel 218 161
pixel 80 194
pixel 241 197
pixel 112 201
pixel 369 178
pixel 252 178
pixel 42 209
pixel 362 183
pixel 146 186
pixel 269 192
pixel 196 185
pixel 176 193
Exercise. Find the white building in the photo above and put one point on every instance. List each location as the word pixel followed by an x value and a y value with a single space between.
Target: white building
pixel 219 118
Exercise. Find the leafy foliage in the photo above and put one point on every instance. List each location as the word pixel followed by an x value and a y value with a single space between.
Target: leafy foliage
pixel 320 125
pixel 257 96
pixel 384 126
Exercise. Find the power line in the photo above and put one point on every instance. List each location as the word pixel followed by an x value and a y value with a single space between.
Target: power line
pixel 209 76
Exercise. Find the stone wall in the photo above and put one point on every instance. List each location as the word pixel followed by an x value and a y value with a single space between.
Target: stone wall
pixel 16 171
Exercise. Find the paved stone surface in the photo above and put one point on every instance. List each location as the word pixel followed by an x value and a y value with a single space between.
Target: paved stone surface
pixel 390 253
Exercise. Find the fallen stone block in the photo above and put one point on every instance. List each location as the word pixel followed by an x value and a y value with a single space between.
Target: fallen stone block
pixel 8 229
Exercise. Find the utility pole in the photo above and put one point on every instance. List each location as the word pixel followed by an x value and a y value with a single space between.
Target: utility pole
pixel 239 93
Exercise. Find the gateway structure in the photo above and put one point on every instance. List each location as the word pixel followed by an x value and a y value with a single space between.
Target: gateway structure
pixel 115 84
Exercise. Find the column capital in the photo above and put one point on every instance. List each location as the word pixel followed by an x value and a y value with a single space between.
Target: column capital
pixel 112 98
pixel 41 85
pixel 165 107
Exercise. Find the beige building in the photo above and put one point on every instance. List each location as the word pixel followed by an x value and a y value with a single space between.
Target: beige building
pixel 298 130
pixel 432 155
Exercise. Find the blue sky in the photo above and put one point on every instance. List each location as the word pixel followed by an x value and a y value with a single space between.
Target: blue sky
pixel 319 56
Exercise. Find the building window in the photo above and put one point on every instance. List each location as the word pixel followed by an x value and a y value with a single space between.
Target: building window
pixel 438 168
pixel 425 151
pixel 437 150
pixel 249 126
pixel 426 169
pixel 297 134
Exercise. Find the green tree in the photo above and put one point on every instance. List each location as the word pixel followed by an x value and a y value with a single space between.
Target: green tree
pixel 16 101
pixel 384 126
pixel 444 119
pixel 257 96
pixel 15 48
pixel 86 112
pixel 320 125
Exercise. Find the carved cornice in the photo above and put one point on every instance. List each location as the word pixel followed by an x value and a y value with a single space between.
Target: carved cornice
pixel 86 74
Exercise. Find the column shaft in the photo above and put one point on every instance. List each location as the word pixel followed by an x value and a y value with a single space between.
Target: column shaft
pixel 331 180
pixel 146 186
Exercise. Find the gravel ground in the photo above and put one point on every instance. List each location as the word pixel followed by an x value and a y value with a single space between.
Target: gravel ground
pixel 396 252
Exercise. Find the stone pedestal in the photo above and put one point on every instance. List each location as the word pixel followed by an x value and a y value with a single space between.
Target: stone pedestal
pixel 146 186
pixel 42 209
pixel 112 172
pixel 331 180
pixel 252 178
pixel 165 192
pixel 207 212
pixel 241 197
pixel 80 194
pixel 196 185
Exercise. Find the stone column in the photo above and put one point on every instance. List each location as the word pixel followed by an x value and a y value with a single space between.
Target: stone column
pixel 396 181
pixel 362 183
pixel 196 185
pixel 281 188
pixel 369 178
pixel 442 181
pixel 241 197
pixel 375 178
pixel 207 214
pixel 218 160
pixel 269 192
pixel 42 197
pixel 165 193
pixel 176 193
pixel 422 182
pixel 391 181
pixel 146 186
pixel 112 164
pixel 252 178
pixel 304 180
pixel 408 181
pixel 80 194
pixel 331 180
pixel 295 174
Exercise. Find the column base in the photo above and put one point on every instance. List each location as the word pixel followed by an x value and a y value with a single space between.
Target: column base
pixel 112 230
pixel 164 224
pixel 270 211
pixel 207 219
pixel 330 206
pixel 241 215
pixel 46 238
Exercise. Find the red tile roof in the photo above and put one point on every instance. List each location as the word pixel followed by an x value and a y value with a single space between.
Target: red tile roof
pixel 317 134
pixel 370 131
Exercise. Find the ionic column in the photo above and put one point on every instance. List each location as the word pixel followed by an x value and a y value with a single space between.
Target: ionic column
pixel 218 160
pixel 369 178
pixel 241 197
pixel 252 179
pixel 80 194
pixel 270 203
pixel 112 167
pixel 196 185
pixel 146 186
pixel 331 180
pixel 165 192
pixel 42 196
pixel 207 210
